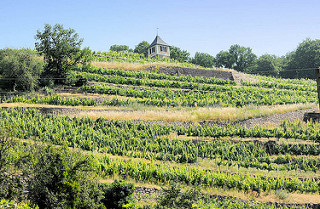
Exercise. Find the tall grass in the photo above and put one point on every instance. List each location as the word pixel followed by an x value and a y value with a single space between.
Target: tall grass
pixel 141 66
pixel 199 114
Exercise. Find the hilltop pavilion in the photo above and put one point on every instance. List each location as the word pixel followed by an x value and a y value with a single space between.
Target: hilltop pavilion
pixel 159 48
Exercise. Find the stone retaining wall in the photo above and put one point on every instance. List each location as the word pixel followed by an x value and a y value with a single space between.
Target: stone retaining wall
pixel 143 193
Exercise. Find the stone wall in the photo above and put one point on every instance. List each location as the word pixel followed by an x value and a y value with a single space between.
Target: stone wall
pixel 193 72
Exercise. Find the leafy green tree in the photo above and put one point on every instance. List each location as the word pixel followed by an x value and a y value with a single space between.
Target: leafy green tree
pixel 286 71
pixel 61 49
pixel 241 57
pixel 20 69
pixel 203 59
pixel 223 59
pixel 237 57
pixel 179 54
pixel 142 48
pixel 268 65
pixel 307 55
pixel 120 48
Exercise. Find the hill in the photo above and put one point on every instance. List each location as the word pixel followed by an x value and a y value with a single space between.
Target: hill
pixel 152 122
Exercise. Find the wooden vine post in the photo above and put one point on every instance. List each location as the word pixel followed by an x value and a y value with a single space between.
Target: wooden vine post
pixel 318 83
pixel 314 116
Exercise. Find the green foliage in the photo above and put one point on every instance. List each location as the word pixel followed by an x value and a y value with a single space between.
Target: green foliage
pixel 117 194
pixel 52 99
pixel 61 50
pixel 10 185
pixel 282 194
pixel 240 205
pixel 6 145
pixel 206 92
pixel 139 140
pixel 57 178
pixel 120 48
pixel 268 65
pixel 142 48
pixel 203 59
pixel 169 90
pixel 152 76
pixel 307 55
pixel 178 54
pixel 60 176
pixel 6 204
pixel 131 57
pixel 237 57
pixel 20 69
pixel 173 197
pixel 223 59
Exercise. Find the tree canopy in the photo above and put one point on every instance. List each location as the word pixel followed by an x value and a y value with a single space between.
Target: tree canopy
pixel 20 69
pixel 267 64
pixel 237 57
pixel 61 49
pixel 203 59
pixel 120 48
pixel 179 54
pixel 307 55
pixel 142 48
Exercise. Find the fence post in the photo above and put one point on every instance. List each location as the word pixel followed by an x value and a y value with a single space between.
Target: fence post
pixel 318 84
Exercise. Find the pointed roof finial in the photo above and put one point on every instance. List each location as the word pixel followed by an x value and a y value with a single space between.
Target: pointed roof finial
pixel 157 31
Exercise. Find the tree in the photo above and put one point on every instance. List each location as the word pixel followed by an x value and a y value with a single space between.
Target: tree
pixel 242 57
pixel 142 48
pixel 179 54
pixel 61 49
pixel 223 59
pixel 284 62
pixel 237 57
pixel 268 65
pixel 120 48
pixel 203 59
pixel 307 55
pixel 20 69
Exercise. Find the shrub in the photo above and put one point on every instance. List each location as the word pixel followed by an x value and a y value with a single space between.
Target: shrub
pixel 117 194
pixel 173 197
pixel 59 179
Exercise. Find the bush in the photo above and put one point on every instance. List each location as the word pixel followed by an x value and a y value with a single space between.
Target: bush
pixel 59 179
pixel 81 81
pixel 173 197
pixel 13 205
pixel 117 194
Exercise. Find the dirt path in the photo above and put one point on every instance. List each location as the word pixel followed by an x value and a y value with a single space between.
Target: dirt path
pixel 275 120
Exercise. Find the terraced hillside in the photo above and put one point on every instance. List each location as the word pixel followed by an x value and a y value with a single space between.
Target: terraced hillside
pixel 152 129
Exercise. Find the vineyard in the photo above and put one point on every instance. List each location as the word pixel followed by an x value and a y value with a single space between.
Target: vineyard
pixel 224 158
pixel 154 89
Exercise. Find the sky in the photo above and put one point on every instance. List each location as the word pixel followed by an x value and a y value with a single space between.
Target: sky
pixel 209 26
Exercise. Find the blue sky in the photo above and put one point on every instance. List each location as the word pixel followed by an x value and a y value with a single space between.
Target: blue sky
pixel 266 26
